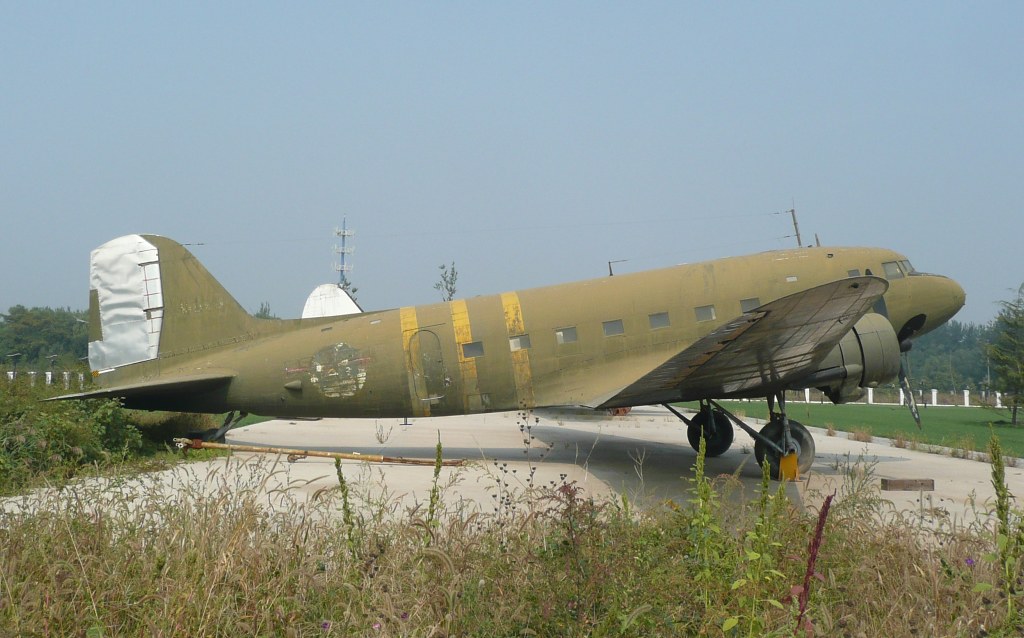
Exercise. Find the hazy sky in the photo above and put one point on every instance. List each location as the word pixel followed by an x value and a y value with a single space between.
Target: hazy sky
pixel 528 142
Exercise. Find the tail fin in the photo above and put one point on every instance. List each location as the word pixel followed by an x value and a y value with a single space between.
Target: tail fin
pixel 150 297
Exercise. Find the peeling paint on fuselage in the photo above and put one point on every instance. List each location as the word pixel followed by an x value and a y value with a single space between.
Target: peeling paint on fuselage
pixel 337 371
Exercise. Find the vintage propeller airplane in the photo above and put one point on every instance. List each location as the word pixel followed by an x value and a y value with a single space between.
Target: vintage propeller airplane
pixel 165 335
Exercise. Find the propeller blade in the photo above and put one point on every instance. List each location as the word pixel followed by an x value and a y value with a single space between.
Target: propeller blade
pixel 905 346
pixel 911 402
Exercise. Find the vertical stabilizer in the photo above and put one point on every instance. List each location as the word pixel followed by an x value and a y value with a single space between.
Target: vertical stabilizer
pixel 150 298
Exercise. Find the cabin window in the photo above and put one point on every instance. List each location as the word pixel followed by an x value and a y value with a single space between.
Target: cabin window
pixel 746 305
pixel 519 342
pixel 705 313
pixel 792 279
pixel 565 335
pixel 472 349
pixel 853 273
pixel 658 320
pixel 907 268
pixel 614 327
pixel 892 270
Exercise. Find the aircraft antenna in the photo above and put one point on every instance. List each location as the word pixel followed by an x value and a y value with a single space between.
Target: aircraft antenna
pixel 342 251
pixel 796 227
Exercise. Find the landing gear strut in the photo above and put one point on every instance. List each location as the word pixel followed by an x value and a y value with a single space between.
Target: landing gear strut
pixel 714 426
pixel 231 421
pixel 793 451
pixel 785 445
pixel 711 423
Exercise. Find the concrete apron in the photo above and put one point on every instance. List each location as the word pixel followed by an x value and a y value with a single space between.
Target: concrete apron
pixel 643 456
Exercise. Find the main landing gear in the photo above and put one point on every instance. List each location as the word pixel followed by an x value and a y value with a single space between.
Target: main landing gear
pixel 785 445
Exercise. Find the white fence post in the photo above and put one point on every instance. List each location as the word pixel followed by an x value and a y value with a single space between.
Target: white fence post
pixel 903 399
pixel 871 396
pixel 807 395
pixel 967 398
pixel 935 396
pixel 999 399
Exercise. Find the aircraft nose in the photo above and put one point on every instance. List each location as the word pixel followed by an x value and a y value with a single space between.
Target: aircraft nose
pixel 945 298
pixel 959 296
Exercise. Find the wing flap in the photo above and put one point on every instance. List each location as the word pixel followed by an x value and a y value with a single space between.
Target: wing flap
pixel 763 349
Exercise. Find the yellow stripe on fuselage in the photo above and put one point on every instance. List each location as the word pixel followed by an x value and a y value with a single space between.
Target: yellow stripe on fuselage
pixel 464 334
pixel 411 347
pixel 520 358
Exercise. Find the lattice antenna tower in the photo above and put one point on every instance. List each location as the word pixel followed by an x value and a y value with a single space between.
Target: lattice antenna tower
pixel 343 251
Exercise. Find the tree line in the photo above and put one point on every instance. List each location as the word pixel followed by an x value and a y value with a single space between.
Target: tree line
pixel 36 338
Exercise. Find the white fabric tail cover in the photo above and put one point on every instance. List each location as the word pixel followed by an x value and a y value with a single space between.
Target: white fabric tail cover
pixel 125 273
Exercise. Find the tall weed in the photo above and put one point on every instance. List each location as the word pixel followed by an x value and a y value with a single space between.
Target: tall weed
pixel 240 551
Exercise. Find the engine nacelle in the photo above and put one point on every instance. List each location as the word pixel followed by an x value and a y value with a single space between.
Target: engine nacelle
pixel 868 355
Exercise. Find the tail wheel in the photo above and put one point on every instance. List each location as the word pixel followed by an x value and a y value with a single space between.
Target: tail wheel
pixel 717 431
pixel 801 438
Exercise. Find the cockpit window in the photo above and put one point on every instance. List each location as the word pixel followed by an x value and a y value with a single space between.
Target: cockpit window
pixel 907 268
pixel 892 270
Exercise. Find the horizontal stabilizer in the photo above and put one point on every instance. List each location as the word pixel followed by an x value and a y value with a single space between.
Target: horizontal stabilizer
pixel 158 386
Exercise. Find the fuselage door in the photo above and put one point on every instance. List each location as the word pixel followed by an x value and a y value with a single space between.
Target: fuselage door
pixel 427 364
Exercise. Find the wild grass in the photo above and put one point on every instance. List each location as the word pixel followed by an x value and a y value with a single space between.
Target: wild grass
pixel 243 551
pixel 863 435
pixel 963 448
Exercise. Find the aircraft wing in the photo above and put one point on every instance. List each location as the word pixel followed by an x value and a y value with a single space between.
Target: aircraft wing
pixel 160 385
pixel 760 351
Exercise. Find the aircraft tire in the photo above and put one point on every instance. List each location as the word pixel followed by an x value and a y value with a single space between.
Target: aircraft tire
pixel 718 436
pixel 773 432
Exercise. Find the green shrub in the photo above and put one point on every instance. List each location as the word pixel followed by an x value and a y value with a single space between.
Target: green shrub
pixel 54 439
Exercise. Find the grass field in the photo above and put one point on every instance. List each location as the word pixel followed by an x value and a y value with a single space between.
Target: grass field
pixel 955 427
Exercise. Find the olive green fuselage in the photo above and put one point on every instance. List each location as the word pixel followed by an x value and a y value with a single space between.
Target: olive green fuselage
pixel 567 344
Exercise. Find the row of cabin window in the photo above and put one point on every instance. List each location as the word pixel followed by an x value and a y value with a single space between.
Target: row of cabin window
pixel 893 270
pixel 612 328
